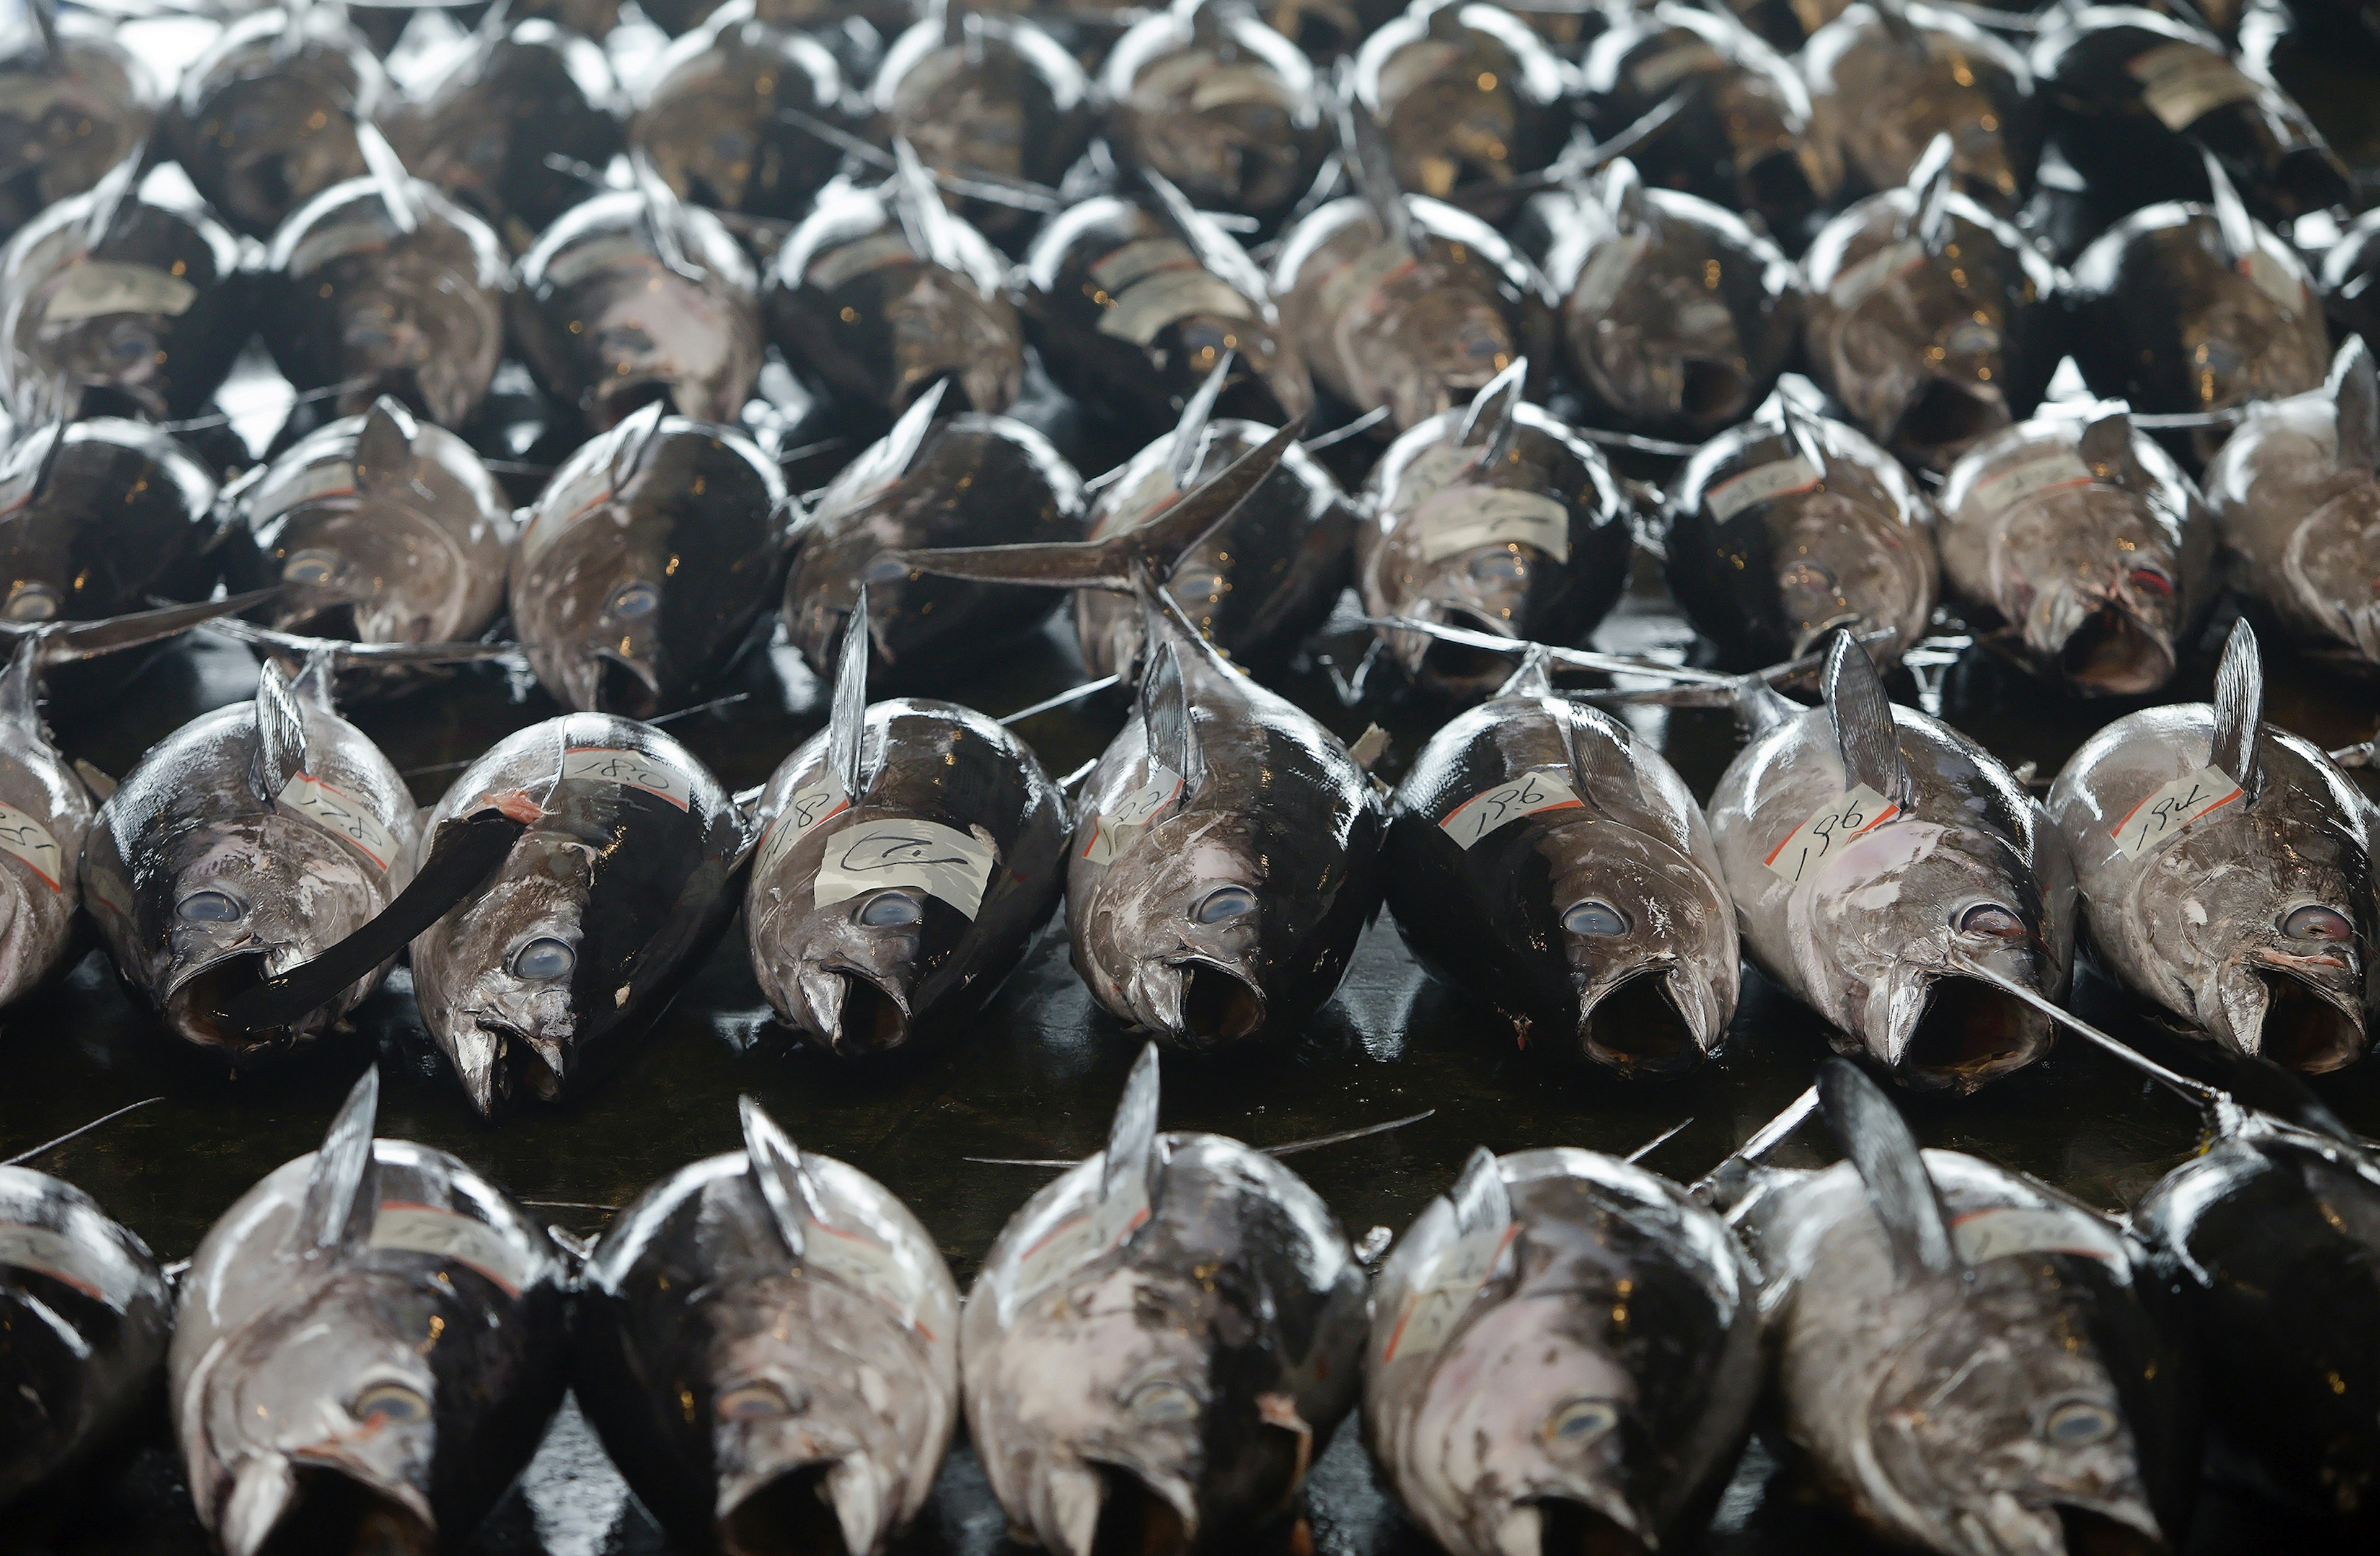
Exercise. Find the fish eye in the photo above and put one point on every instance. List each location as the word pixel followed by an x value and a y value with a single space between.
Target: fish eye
pixel 2317 923
pixel 312 568
pixel 2078 1423
pixel 635 601
pixel 1162 1404
pixel 1990 920
pixel 1581 1420
pixel 1500 566
pixel 2148 580
pixel 1225 902
pixel 33 603
pixel 209 907
pixel 885 569
pixel 887 908
pixel 544 957
pixel 386 1402
pixel 1592 918
pixel 756 1402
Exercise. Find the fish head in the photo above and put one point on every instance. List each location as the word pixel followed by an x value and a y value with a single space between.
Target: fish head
pixel 653 334
pixel 1448 339
pixel 2095 586
pixel 369 568
pixel 944 326
pixel 274 141
pixel 600 636
pixel 848 972
pixel 120 356
pixel 1843 561
pixel 1447 132
pixel 1678 359
pixel 500 979
pixel 1649 944
pixel 1925 362
pixel 2238 344
pixel 412 320
pixel 1184 927
pixel 2332 563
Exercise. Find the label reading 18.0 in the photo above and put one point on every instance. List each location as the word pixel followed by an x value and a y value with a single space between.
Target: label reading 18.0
pixel 1490 808
pixel 2162 816
pixel 821 802
pixel 630 769
pixel 1829 828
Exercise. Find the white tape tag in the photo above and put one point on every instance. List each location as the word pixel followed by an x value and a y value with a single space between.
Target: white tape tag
pixel 629 769
pixel 837 266
pixel 867 1266
pixel 24 837
pixel 425 1229
pixel 2180 84
pixel 1169 297
pixel 1490 808
pixel 1117 830
pixel 809 808
pixel 1763 483
pixel 1431 471
pixel 2042 470
pixel 1989 1234
pixel 1606 270
pixel 63 1260
pixel 1097 1228
pixel 2164 814
pixel 1443 1291
pixel 96 288
pixel 1464 518
pixel 2272 275
pixel 905 851
pixel 1366 274
pixel 1828 828
pixel 1872 275
pixel 335 811
pixel 1669 67
pixel 1118 268
pixel 1228 85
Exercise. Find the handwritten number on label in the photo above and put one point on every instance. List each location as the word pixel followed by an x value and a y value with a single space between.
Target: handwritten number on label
pixel 1829 828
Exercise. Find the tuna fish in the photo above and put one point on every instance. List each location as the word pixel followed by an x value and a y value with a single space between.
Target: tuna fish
pixel 1886 77
pixel 1463 94
pixel 101 517
pixel 719 121
pixel 74 101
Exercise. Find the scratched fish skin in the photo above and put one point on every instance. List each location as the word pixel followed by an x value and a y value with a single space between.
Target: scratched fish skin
pixel 640 568
pixel 369 1346
pixel 1222 105
pixel 632 296
pixel 1768 578
pixel 600 911
pixel 265 119
pixel 1166 1384
pixel 1131 313
pixel 1257 585
pixel 103 514
pixel 369 301
pixel 2084 551
pixel 1415 333
pixel 1678 317
pixel 1528 539
pixel 712 118
pixel 143 316
pixel 2024 1394
pixel 84 1317
pixel 883 967
pixel 1595 917
pixel 204 878
pixel 973 481
pixel 1466 93
pixel 1885 80
pixel 872 318
pixel 69 110
pixel 812 1324
pixel 1598 1382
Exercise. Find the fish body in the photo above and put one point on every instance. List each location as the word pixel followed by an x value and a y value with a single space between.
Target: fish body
pixel 369 1346
pixel 1464 93
pixel 640 568
pixel 265 119
pixel 1886 78
pixel 74 101
pixel 810 1320
pixel 101 514
pixel 1573 1346
pixel 602 907
pixel 714 118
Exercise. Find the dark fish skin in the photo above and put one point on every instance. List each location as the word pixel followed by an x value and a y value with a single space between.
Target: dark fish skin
pixel 121 512
pixel 712 119
pixel 485 132
pixel 1130 319
pixel 370 1345
pixel 264 122
pixel 1325 29
pixel 633 296
pixel 144 317
pixel 1646 987
pixel 631 882
pixel 810 1320
pixel 66 117
pixel 1222 105
pixel 899 965
pixel 2347 272
pixel 863 312
pixel 1604 1373
pixel 1678 317
pixel 1881 89
pixel 357 299
pixel 2132 97
pixel 975 480
pixel 640 567
pixel 1466 94
pixel 1257 585
pixel 84 1317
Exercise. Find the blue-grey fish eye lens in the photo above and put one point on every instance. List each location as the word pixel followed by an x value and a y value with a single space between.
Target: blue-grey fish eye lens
pixel 1228 902
pixel 886 568
pixel 1163 1403
pixel 390 1402
pixel 1991 919
pixel 1497 567
pixel 311 568
pixel 888 909
pixel 1592 918
pixel 2317 923
pixel 2078 1423
pixel 209 907
pixel 544 958
pixel 755 1402
pixel 33 603
pixel 635 601
pixel 1581 1420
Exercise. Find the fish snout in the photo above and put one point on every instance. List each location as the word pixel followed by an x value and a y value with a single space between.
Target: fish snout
pixel 501 1061
pixel 1195 1001
pixel 852 1011
pixel 1587 1516
pixel 1655 1018
pixel 319 1500
pixel 791 1492
pixel 1085 1505
pixel 1938 1030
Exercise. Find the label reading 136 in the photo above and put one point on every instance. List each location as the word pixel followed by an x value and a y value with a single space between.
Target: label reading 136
pixel 1828 828
pixel 1490 808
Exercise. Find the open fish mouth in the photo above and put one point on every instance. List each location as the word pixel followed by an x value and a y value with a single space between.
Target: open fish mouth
pixel 1568 1526
pixel 1967 1034
pixel 2113 653
pixel 855 1013
pixel 1199 1004
pixel 1135 1519
pixel 1638 1026
pixel 625 686
pixel 2090 1532
pixel 520 1067
pixel 194 1004
pixel 1461 667
pixel 2304 1029
pixel 791 1515
pixel 326 1512
pixel 1711 391
pixel 619 399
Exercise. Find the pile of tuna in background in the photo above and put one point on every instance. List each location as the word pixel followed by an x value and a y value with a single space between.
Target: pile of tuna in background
pixel 825 581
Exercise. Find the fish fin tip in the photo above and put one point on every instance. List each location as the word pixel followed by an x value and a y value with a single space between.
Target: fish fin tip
pixel 2240 709
pixel 2355 394
pixel 1132 1135
pixel 1876 1140
pixel 1866 734
pixel 335 1185
pixel 778 1171
pixel 1480 1199
pixel 1167 720
pixel 279 731
pixel 847 719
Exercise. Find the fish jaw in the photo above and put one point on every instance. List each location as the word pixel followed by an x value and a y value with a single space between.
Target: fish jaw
pixel 1525 1531
pixel 762 1504
pixel 1195 1001
pixel 2302 1013
pixel 1656 998
pixel 1937 1030
pixel 1656 1019
pixel 875 1021
pixel 846 986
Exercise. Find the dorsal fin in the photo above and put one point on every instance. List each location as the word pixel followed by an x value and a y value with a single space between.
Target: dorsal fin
pixel 108 195
pixel 1132 1136
pixel 2105 444
pixel 21 689
pixel 847 719
pixel 1794 421
pixel 632 438
pixel 280 733
pixel 926 222
pixel 1619 189
pixel 1218 250
pixel 1205 19
pixel 1190 432
pixel 1444 21
pixel 1931 181
pixel 954 20
pixel 1893 18
pixel 1884 1153
pixel 1372 168
pixel 384 446
pixel 1864 732
pixel 336 1211
pixel 2236 227
pixel 45 22
pixel 2239 709
pixel 898 448
pixel 101 786
pixel 1480 1198
pixel 2355 395
pixel 777 1171
pixel 388 173
pixel 1166 719
pixel 663 214
pixel 1492 421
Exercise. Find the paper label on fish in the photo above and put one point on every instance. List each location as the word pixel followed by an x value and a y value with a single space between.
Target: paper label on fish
pixel 1119 829
pixel 2041 469
pixel 1872 275
pixel 2271 274
pixel 905 851
pixel 22 835
pixel 1097 1228
pixel 337 811
pixel 96 288
pixel 1432 472
pixel 1360 277
pixel 1509 801
pixel 1988 1235
pixel 1169 297
pixel 1463 518
pixel 1761 484
pixel 632 769
pixel 1121 267
pixel 1669 67
pixel 1829 828
pixel 599 254
pixel 867 1266
pixel 811 807
pixel 1607 271
pixel 2164 814
pixel 837 266
pixel 63 1260
pixel 426 1229
pixel 2180 84
pixel 1443 1289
